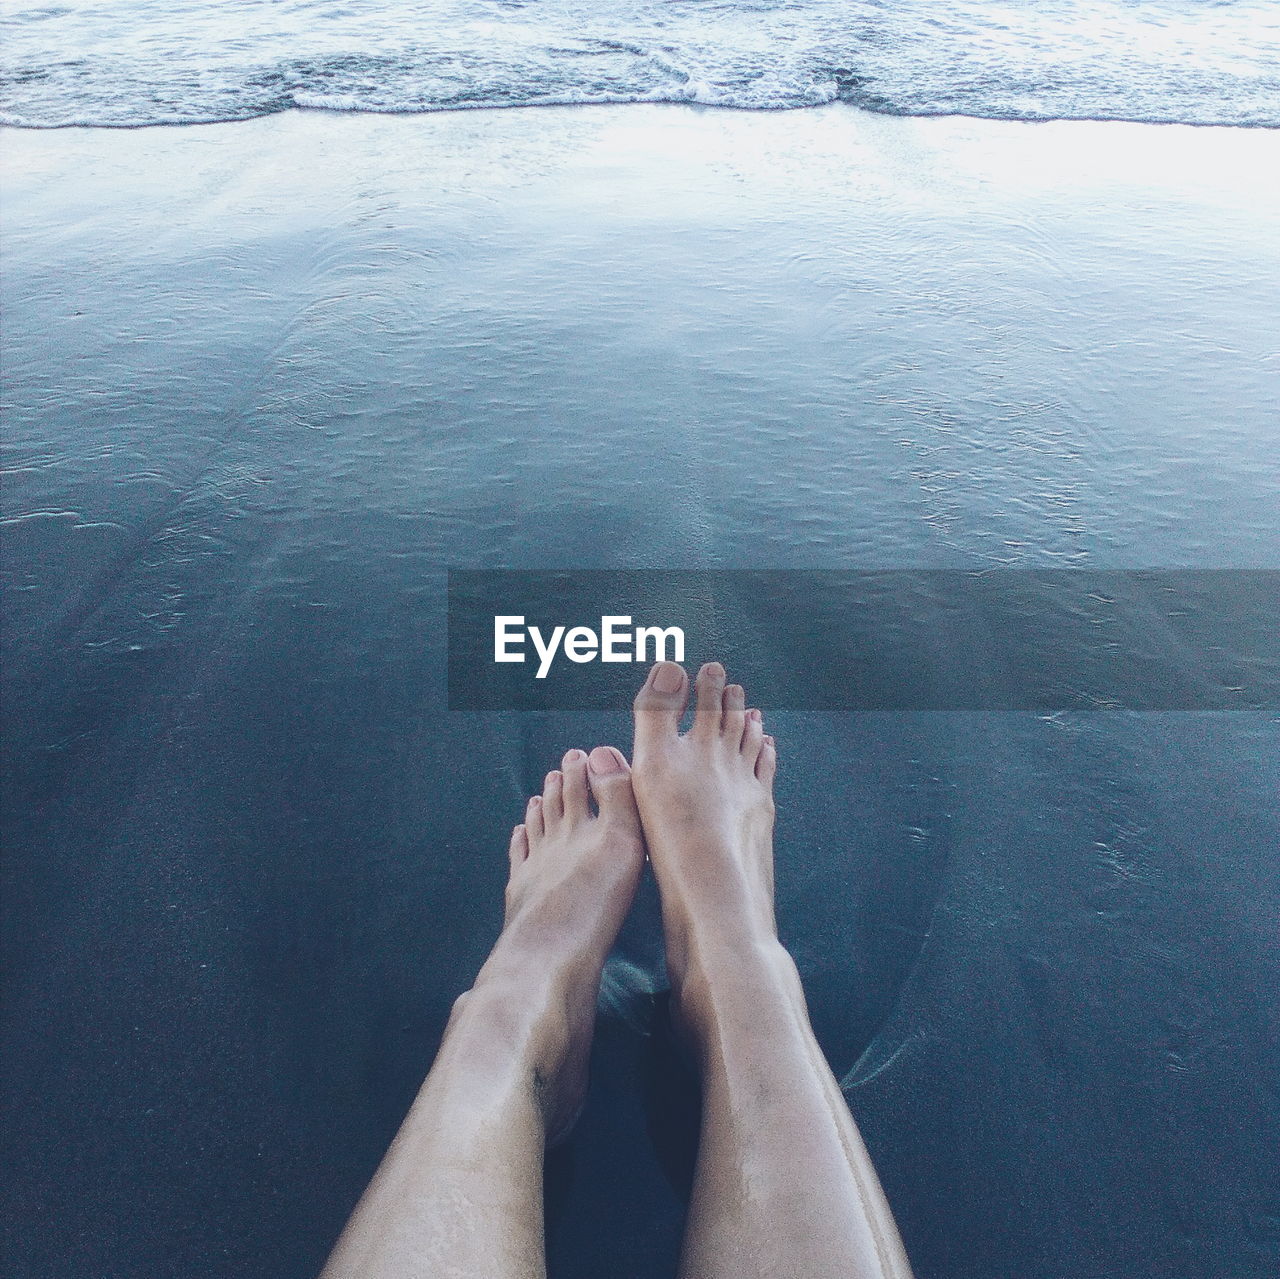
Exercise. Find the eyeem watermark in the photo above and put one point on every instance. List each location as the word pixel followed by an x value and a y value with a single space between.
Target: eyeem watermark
pixel 873 640
pixel 616 641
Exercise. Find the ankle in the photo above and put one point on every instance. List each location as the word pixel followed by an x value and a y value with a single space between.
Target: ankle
pixel 720 980
pixel 509 1012
pixel 537 955
pixel 710 941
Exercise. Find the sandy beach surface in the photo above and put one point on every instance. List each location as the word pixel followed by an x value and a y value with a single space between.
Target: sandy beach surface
pixel 267 382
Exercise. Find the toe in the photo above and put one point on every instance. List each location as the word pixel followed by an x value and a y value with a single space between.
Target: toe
pixel 534 826
pixel 610 778
pixel 553 798
pixel 710 684
pixel 519 848
pixel 767 764
pixel 752 736
pixel 733 715
pixel 659 706
pixel 577 806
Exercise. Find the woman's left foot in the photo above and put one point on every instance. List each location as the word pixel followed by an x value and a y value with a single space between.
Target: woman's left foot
pixel 575 862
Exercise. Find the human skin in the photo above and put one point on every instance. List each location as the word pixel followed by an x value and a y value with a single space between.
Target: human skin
pixel 783 1184
pixel 459 1193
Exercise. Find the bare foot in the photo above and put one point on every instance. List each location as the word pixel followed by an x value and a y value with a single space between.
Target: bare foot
pixel 706 802
pixel 783 1183
pixel 573 875
pixel 460 1190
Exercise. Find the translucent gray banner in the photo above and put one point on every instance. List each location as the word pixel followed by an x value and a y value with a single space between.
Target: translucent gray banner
pixel 884 640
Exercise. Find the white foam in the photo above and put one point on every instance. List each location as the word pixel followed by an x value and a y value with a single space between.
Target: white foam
pixel 137 62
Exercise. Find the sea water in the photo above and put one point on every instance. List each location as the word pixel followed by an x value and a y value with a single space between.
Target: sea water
pixel 186 61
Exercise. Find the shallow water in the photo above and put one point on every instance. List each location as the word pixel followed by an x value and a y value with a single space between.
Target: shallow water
pixel 266 383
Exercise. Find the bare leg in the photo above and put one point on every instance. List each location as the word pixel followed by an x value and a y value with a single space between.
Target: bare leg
pixel 460 1191
pixel 784 1185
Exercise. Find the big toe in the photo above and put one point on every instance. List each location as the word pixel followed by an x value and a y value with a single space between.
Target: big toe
pixel 659 706
pixel 610 778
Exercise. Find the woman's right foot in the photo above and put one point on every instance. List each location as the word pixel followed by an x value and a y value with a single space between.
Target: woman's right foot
pixel 706 803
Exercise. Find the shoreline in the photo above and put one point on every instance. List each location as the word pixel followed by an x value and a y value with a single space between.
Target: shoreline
pixel 835 103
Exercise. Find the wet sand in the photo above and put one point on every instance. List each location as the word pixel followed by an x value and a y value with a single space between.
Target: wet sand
pixel 267 382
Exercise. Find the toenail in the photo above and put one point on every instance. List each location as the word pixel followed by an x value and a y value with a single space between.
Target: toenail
pixel 714 669
pixel 667 678
pixel 573 756
pixel 604 759
pixel 754 715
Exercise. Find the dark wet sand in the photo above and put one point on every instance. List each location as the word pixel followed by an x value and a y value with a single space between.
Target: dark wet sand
pixel 267 382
